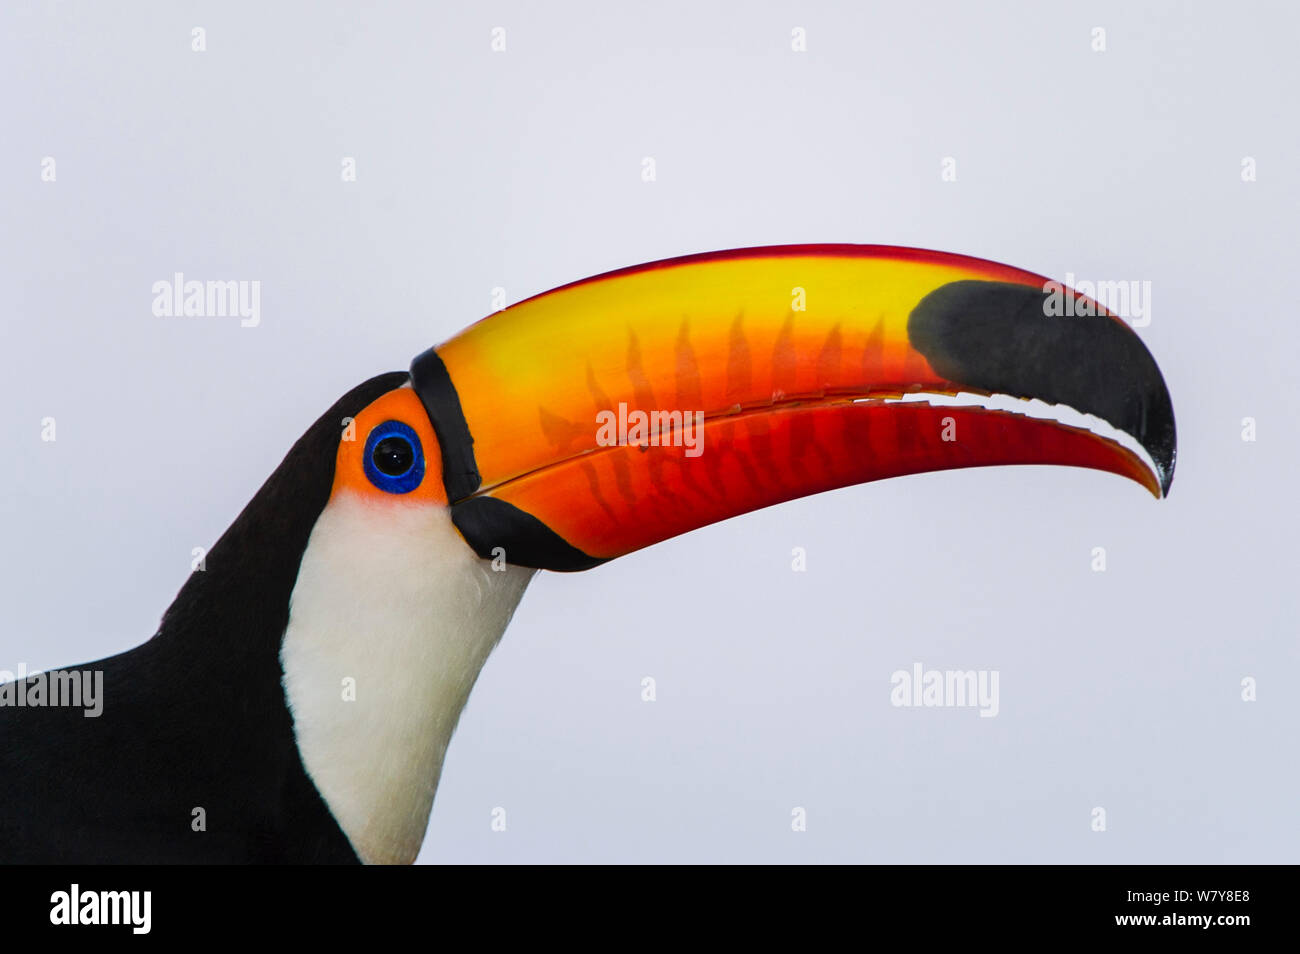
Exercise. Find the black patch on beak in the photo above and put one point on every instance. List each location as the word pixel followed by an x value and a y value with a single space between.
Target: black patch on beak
pixel 487 523
pixel 999 337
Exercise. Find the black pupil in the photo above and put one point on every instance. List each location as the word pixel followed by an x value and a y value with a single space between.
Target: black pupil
pixel 394 456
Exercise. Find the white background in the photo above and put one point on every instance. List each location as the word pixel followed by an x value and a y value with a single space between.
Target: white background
pixel 523 169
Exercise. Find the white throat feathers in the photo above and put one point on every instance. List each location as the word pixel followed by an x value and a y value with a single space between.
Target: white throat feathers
pixel 391 619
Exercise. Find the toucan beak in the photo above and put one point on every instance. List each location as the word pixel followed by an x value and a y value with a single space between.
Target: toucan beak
pixel 615 412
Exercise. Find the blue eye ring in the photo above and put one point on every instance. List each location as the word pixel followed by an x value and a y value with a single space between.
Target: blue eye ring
pixel 398 466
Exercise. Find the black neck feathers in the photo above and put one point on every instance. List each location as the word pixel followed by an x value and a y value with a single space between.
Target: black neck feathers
pixel 194 722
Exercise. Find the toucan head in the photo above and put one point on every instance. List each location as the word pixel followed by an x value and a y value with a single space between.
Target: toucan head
pixel 613 413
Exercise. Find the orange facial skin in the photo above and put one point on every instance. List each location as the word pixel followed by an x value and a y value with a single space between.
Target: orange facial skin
pixel 349 469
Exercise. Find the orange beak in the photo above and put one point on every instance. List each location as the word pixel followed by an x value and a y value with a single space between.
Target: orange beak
pixel 619 411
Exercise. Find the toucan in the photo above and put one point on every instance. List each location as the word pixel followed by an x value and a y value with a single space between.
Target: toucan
pixel 301 691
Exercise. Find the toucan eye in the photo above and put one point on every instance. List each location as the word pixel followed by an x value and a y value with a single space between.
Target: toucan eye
pixel 394 456
pixel 394 459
